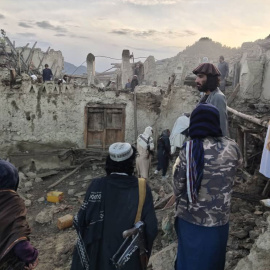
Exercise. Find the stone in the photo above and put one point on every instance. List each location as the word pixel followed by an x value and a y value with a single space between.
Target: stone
pixel 94 167
pixel 84 185
pixel 29 196
pixel 45 216
pixel 31 175
pixel 41 199
pixel 258 213
pixel 28 184
pixel 38 180
pixel 165 258
pixel 254 234
pixel 72 183
pixel 155 196
pixel 88 177
pixel 240 234
pixel 71 191
pixel 22 177
pixel 80 194
pixel 27 203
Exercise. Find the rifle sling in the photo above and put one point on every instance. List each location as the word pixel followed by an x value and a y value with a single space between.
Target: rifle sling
pixel 142 194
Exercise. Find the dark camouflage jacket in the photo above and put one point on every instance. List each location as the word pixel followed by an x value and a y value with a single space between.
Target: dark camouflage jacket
pixel 221 159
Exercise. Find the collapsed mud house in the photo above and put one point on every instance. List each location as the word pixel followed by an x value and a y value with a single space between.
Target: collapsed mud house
pixel 48 125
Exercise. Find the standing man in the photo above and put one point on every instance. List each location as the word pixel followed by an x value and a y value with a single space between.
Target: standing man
pixel 128 84
pixel 134 83
pixel 208 81
pixel 204 174
pixel 109 208
pixel 224 70
pixel 47 73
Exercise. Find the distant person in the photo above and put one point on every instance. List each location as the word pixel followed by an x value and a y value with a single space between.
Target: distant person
pixel 204 174
pixel 224 71
pixel 128 84
pixel 145 146
pixel 47 73
pixel 134 82
pixel 64 80
pixel 164 153
pixel 208 81
pixel 16 251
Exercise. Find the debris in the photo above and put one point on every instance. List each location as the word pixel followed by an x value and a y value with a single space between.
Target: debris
pixel 55 196
pixel 66 176
pixel 72 183
pixel 40 200
pixel 80 194
pixel 27 203
pixel 163 202
pixel 65 222
pixel 71 191
pixel 38 180
pixel 31 175
pixel 28 184
pixel 265 202
pixel 45 216
pixel 47 174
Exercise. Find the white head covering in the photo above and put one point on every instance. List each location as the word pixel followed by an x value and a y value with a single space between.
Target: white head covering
pixel 148 131
pixel 120 151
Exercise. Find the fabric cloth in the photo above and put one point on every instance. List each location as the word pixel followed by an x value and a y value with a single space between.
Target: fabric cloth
pixel 265 161
pixel 163 152
pixel 13 225
pixel 204 122
pixel 145 145
pixel 218 99
pixel 221 159
pixel 134 83
pixel 47 74
pixel 207 69
pixel 120 151
pixel 177 138
pixel 120 203
pixel 199 247
pixel 9 178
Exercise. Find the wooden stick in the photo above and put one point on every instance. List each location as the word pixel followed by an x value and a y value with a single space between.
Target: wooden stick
pixel 248 117
pixel 233 94
pixel 66 176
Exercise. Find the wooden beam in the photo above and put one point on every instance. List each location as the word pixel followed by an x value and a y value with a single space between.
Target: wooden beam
pixel 233 94
pixel 248 117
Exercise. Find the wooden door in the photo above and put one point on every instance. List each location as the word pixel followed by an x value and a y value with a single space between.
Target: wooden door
pixel 104 125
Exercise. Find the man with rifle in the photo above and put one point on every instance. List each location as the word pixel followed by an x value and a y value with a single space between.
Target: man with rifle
pixel 116 224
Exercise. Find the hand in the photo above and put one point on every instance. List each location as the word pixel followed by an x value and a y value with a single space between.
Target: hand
pixel 32 265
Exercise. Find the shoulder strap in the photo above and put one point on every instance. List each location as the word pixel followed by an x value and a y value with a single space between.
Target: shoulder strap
pixel 142 194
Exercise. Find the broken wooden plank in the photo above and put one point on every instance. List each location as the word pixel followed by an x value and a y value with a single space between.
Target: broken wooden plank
pixel 163 202
pixel 248 117
pixel 66 176
pixel 233 94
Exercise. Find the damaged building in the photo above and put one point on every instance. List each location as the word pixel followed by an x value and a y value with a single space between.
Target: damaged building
pixel 50 126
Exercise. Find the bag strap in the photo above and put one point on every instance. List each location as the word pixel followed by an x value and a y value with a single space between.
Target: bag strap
pixel 142 194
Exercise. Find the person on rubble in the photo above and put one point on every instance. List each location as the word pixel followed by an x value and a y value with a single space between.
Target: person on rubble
pixel 128 84
pixel 110 208
pixel 16 251
pixel 223 67
pixel 164 153
pixel 203 178
pixel 47 73
pixel 208 81
pixel 134 83
pixel 145 147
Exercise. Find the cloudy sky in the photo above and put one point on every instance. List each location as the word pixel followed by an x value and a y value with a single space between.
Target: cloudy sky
pixel 161 28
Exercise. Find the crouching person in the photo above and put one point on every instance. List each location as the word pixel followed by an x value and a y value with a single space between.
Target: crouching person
pixel 16 252
pixel 111 207
pixel 203 178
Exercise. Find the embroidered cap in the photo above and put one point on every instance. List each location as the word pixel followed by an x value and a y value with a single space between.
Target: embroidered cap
pixel 120 151
pixel 207 69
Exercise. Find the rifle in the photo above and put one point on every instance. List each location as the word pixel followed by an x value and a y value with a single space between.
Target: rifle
pixel 123 254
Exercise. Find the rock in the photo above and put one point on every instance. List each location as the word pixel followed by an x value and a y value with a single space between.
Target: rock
pixel 71 191
pixel 165 258
pixel 40 200
pixel 254 234
pixel 84 185
pixel 29 196
pixel 80 194
pixel 155 196
pixel 72 183
pixel 87 177
pixel 240 234
pixel 261 223
pixel 22 177
pixel 94 167
pixel 258 213
pixel 31 175
pixel 45 216
pixel 28 184
pixel 38 180
pixel 27 203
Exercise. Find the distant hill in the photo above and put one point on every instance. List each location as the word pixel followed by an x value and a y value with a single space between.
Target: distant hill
pixel 71 69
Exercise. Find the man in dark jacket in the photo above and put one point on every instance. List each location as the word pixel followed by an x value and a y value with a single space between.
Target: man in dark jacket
pixel 109 208
pixel 208 81
pixel 134 82
pixel 47 73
